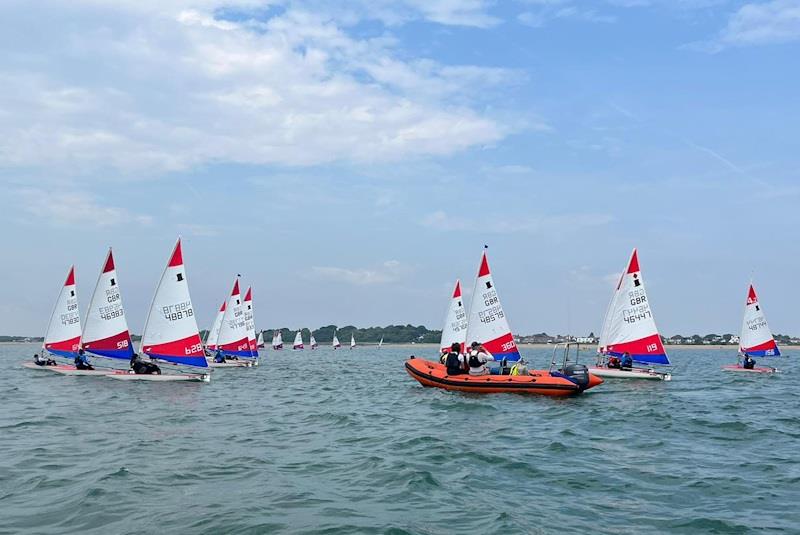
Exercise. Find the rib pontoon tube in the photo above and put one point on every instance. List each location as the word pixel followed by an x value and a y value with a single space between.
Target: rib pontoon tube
pixel 542 382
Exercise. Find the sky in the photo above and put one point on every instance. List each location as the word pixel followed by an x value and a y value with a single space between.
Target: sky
pixel 350 159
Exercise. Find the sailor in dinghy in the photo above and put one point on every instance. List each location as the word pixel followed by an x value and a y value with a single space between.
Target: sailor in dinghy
pixel 630 332
pixel 756 339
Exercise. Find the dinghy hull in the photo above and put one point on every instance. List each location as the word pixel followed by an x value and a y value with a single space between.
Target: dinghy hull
pixel 634 373
pixel 231 364
pixel 540 382
pixel 196 377
pixel 757 369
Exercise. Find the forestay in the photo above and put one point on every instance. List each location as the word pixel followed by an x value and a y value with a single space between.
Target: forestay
pixel 105 333
pixel 487 322
pixel 63 336
pixel 629 325
pixel 170 331
pixel 756 339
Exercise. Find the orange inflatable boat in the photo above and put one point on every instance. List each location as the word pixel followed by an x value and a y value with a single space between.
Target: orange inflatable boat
pixel 542 382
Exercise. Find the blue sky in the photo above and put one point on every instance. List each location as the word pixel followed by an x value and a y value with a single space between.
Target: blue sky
pixel 350 161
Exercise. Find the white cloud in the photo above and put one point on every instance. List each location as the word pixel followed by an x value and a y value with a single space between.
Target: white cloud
pixel 75 208
pixel 543 224
pixel 150 87
pixel 764 23
pixel 389 271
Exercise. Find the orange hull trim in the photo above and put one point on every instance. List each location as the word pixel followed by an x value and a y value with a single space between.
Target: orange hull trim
pixel 432 374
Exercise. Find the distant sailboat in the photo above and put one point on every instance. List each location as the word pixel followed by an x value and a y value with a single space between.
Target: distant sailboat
pixel 260 342
pixel 298 341
pixel 629 327
pixel 312 342
pixel 756 339
pixel 352 341
pixel 380 343
pixel 277 341
pixel 336 344
pixel 63 335
pixel 170 331
pixel 454 330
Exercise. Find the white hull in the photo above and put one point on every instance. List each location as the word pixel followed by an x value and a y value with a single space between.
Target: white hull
pixel 65 369
pixel 230 364
pixel 204 378
pixel 634 373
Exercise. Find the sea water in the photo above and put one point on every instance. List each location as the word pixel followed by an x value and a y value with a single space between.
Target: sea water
pixel 346 442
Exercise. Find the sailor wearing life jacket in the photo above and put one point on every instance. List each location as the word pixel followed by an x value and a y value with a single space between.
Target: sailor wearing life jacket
pixel 478 357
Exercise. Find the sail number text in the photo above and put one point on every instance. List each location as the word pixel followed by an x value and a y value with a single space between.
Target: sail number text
pixel 178 311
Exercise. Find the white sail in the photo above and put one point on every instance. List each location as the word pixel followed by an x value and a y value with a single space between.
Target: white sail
pixel 352 341
pixel 298 341
pixel 487 323
pixel 170 330
pixel 629 326
pixel 756 339
pixel 312 342
pixel 260 341
pixel 213 333
pixel 63 336
pixel 105 332
pixel 336 343
pixel 250 323
pixel 380 343
pixel 454 330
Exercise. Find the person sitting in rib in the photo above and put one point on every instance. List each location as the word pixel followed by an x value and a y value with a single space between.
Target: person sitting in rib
pixel 454 360
pixel 478 357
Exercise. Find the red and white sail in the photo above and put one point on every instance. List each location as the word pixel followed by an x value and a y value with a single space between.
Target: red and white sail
pixel 233 339
pixel 487 323
pixel 260 343
pixel 213 334
pixel 105 332
pixel 335 344
pixel 63 335
pixel 312 342
pixel 250 322
pixel 298 341
pixel 629 326
pixel 756 339
pixel 455 322
pixel 170 330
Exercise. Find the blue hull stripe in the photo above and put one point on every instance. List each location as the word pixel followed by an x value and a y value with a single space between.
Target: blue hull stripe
pixel 122 354
pixel 199 362
pixel 648 359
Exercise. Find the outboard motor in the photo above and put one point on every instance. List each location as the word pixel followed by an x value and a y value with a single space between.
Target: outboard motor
pixel 578 374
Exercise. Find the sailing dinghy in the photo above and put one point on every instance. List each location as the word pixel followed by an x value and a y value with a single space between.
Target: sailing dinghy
pixel 335 344
pixel 487 324
pixel 260 342
pixel 313 342
pixel 105 331
pixel 380 343
pixel 233 339
pixel 298 341
pixel 63 336
pixel 170 330
pixel 277 341
pixel 629 327
pixel 352 341
pixel 756 339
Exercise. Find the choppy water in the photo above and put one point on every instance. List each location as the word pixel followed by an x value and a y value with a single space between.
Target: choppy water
pixel 346 442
